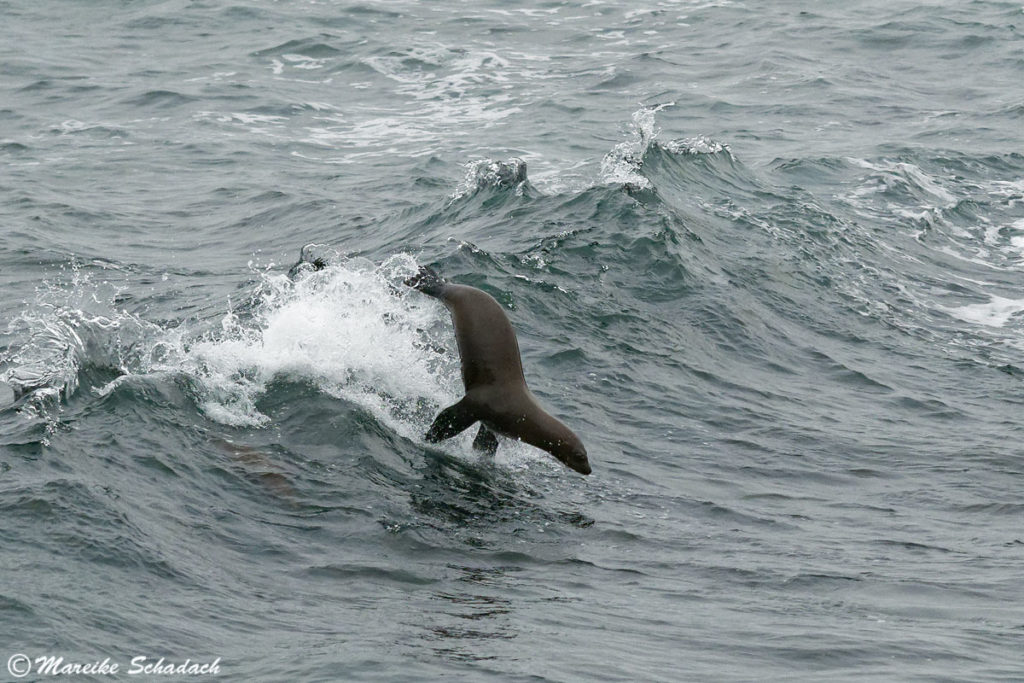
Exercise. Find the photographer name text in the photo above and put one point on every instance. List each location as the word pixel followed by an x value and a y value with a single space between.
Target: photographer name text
pixel 21 665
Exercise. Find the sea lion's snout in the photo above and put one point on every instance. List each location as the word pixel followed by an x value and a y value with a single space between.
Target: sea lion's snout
pixel 582 466
pixel 573 456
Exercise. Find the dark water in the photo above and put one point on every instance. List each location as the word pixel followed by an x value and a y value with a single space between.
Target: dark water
pixel 766 259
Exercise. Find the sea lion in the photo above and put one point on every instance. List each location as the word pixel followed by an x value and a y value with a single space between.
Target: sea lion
pixel 492 373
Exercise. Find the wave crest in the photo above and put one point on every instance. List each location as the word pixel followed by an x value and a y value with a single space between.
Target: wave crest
pixel 624 164
pixel 488 173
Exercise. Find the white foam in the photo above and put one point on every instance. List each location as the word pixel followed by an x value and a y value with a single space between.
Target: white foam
pixel 700 144
pixel 303 62
pixel 888 174
pixel 258 124
pixel 1013 190
pixel 438 90
pixel 997 312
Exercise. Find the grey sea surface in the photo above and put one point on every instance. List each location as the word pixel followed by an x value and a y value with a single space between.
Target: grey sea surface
pixel 765 258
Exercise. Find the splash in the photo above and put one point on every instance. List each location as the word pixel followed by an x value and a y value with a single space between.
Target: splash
pixel 622 165
pixel 484 173
pixel 71 323
pixel 346 328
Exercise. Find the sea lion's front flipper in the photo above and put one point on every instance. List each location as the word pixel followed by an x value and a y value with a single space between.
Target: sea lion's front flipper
pixel 311 258
pixel 427 281
pixel 451 421
pixel 486 441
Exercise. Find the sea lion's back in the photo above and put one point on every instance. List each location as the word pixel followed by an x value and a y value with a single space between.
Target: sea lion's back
pixel 487 342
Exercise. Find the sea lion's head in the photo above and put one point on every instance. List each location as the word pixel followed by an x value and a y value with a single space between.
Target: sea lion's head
pixel 572 454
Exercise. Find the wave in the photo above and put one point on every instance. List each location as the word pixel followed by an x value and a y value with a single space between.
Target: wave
pixel 756 263
pixel 873 247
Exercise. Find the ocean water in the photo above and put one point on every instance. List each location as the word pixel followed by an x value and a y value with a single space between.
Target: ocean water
pixel 765 258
